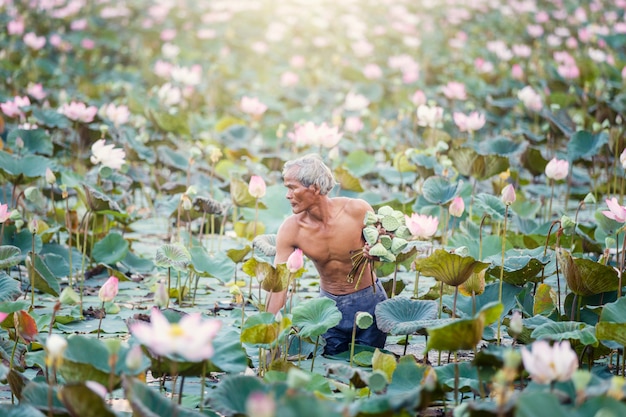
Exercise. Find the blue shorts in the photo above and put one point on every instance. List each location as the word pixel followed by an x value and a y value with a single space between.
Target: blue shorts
pixel 338 338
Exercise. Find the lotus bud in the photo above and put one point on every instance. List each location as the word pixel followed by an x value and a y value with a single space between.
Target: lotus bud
pixel 515 324
pixel 512 359
pixel 609 242
pixel 295 261
pixel 134 358
pixel 186 203
pixel 69 297
pixel 55 347
pixel 260 404
pixel 19 142
pixel 50 177
pixel 364 320
pixel 64 192
pixel 508 194
pixel 15 215
pixel 505 175
pixel 33 226
pixel 256 187
pixel 215 154
pixel 590 199
pixel 113 345
pixel 109 290
pixel 567 224
pixel 457 207
pixel 192 190
pixel 161 295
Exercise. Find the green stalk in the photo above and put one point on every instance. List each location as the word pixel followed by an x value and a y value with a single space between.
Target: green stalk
pixel 506 214
pixel 317 341
pixel 353 341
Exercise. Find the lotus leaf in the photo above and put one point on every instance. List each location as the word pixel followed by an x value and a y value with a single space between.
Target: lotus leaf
pixel 403 316
pixel 449 268
pixel 586 277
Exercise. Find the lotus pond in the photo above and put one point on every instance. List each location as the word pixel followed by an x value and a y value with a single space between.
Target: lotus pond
pixel 140 165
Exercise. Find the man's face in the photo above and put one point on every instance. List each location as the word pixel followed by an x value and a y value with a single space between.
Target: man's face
pixel 299 196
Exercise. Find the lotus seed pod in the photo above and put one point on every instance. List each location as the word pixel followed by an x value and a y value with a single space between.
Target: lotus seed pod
pixel 390 223
pixel 389 257
pixel 474 285
pixel 385 211
pixel 385 240
pixel 398 215
pixel 370 233
pixel 403 232
pixel 364 319
pixel 378 250
pixel 398 244
pixel 370 219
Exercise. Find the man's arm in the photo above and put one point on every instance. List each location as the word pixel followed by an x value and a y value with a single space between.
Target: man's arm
pixel 276 300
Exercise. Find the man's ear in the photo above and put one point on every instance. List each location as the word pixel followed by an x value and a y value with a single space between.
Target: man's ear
pixel 315 188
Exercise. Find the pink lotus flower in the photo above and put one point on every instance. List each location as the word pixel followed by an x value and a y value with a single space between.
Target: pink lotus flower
pixel 455 91
pixel 3 316
pixel 622 156
pixel 615 211
pixel 79 112
pixel 372 72
pixel 530 98
pixel 36 91
pixel 356 102
pixel 295 261
pixel 312 135
pixel 257 187
pixel 11 109
pixel 353 124
pixel 260 404
pixel 191 338
pixel 422 226
pixel 517 72
pixel 429 116
pixel 117 114
pixel 109 290
pixel 418 98
pixel 252 106
pixel 546 363
pixel 107 155
pixel 33 41
pixel 88 44
pixel 469 123
pixel 457 207
pixel 15 27
pixel 557 169
pixel 508 194
pixel 289 79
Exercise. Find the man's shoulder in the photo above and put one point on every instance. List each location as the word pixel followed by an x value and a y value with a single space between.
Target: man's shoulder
pixel 354 204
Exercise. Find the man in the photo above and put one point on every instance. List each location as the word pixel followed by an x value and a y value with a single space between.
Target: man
pixel 327 230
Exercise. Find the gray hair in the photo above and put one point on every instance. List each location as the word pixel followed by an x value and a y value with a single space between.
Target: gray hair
pixel 312 171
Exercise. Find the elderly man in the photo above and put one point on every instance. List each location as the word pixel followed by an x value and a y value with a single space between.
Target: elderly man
pixel 327 230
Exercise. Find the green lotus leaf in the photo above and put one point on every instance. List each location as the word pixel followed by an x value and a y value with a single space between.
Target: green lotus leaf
pixel 566 330
pixel 348 181
pixel 403 316
pixel 586 277
pixel 149 402
pixel 22 170
pixel 9 288
pixel 238 255
pixel 585 145
pixel 172 255
pixel 45 281
pixel 81 400
pixel 611 331
pixel 273 278
pixel 438 190
pixel 463 334
pixel 36 394
pixel 450 268
pixel 501 146
pixel 9 256
pixel 36 141
pixel 360 162
pixel 262 330
pixel 110 250
pixel 99 202
pixel 538 403
pixel 487 204
pixel 230 396
pixel 520 266
pixel 315 316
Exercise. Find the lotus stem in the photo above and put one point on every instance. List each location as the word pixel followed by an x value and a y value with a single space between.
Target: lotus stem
pixel 169 285
pixel 100 321
pixel 393 285
pixel 456 295
pixel 506 215
pixel 551 197
pixel 68 225
pixel 456 379
pixel 112 363
pixel 621 267
pixel 202 385
pixel 317 341
pixel 353 341
pixel 256 216
pixel 416 289
pixel 406 344
pixel 32 273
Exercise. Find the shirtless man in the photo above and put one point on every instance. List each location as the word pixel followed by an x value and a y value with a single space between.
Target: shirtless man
pixel 326 230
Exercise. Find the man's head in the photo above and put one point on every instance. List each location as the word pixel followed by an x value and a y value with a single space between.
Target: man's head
pixel 310 170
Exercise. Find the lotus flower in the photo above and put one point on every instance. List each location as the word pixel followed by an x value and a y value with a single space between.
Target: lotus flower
pixel 109 290
pixel 55 347
pixel 191 338
pixel 508 195
pixel 457 207
pixel 252 106
pixel 295 261
pixel 257 187
pixel 79 112
pixel 422 226
pixel 557 169
pixel 4 213
pixel 547 363
pixel 107 155
pixel 615 211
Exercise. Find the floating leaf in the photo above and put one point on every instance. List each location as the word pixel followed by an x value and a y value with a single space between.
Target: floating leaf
pixel 566 330
pixel 34 140
pixel 9 287
pixel 148 402
pixel 403 316
pixel 585 145
pixel 520 266
pixel 385 363
pixel 45 281
pixel 348 181
pixel 315 316
pixel 216 265
pixel 22 170
pixel 544 300
pixel 450 268
pixel 262 330
pixel 80 400
pixel 230 396
pixel 110 250
pixel 273 278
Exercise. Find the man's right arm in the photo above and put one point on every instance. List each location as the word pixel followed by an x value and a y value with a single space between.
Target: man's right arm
pixel 284 248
